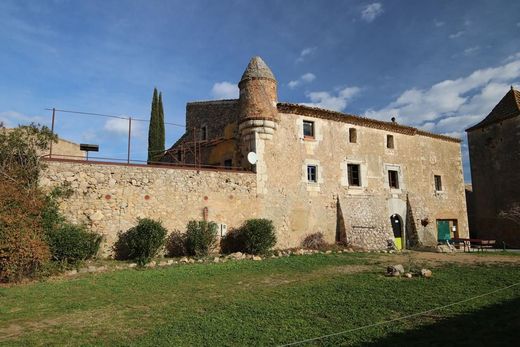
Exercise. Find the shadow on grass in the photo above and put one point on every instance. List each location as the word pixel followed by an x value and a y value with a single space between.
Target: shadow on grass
pixel 495 325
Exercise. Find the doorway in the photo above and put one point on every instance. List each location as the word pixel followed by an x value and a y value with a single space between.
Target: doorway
pixel 397 228
pixel 446 229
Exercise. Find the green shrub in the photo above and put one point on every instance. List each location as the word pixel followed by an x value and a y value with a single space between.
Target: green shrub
pixel 201 237
pixel 232 242
pixel 72 243
pixel 176 245
pixel 142 242
pixel 258 235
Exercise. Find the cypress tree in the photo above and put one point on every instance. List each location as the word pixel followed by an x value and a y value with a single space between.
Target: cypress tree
pixel 161 132
pixel 153 128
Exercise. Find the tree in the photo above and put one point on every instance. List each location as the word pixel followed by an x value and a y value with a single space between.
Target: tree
pixel 156 129
pixel 23 249
pixel 161 134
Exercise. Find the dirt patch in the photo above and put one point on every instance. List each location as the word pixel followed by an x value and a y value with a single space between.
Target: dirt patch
pixel 343 269
pixel 443 258
pixel 97 319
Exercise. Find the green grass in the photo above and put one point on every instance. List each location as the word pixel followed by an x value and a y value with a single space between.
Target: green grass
pixel 272 302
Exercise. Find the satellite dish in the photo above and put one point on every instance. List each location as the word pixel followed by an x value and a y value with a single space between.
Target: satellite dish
pixel 252 158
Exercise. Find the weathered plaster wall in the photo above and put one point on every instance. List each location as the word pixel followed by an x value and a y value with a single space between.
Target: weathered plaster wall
pixel 495 173
pixel 302 208
pixel 109 198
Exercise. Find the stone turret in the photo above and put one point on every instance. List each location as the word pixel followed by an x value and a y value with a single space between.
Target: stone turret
pixel 258 99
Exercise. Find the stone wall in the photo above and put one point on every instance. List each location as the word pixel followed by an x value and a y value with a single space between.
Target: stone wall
pixel 109 198
pixel 300 208
pixel 495 166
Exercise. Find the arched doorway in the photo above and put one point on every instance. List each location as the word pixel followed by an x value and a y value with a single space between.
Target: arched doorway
pixel 397 228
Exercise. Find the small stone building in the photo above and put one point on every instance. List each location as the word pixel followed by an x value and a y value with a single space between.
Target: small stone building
pixel 363 181
pixel 494 150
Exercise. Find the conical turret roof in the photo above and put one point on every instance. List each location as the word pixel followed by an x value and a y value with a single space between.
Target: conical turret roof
pixel 506 108
pixel 257 68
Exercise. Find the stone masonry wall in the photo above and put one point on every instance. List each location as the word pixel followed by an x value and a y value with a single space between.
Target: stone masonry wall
pixel 109 198
pixel 303 208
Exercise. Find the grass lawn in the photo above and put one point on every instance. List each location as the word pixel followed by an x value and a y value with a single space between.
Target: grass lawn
pixel 273 302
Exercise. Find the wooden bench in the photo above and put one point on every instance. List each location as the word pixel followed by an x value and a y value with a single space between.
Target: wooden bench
pixel 479 244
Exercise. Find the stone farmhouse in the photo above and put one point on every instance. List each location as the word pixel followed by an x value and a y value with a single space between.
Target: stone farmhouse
pixel 349 177
pixel 494 150
pixel 366 182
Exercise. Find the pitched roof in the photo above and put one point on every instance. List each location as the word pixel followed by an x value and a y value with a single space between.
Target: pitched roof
pixel 506 108
pixel 257 68
pixel 358 120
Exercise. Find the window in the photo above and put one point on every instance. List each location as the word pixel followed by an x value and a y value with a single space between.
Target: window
pixel 308 129
pixel 352 135
pixel 312 173
pixel 204 133
pixel 354 175
pixel 228 162
pixel 389 141
pixel 393 179
pixel 438 183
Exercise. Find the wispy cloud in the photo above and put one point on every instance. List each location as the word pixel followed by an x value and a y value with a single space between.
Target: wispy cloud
pixel 371 12
pixel 457 34
pixel 336 101
pixel 225 90
pixel 305 53
pixel 438 23
pixel 471 50
pixel 305 78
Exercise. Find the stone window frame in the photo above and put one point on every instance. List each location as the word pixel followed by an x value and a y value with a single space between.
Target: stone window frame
pixel 390 142
pixel 400 176
pixel 363 174
pixel 443 188
pixel 314 174
pixel 312 128
pixel 352 135
pixel 317 129
pixel 319 173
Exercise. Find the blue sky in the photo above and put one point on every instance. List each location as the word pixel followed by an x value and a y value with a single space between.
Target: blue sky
pixel 437 65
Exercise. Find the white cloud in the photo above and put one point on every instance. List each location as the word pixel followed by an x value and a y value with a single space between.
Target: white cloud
pixel 471 50
pixel 305 78
pixel 12 119
pixel 451 106
pixel 119 126
pixel 438 24
pixel 457 34
pixel 333 101
pixel 225 90
pixel 304 53
pixel 370 12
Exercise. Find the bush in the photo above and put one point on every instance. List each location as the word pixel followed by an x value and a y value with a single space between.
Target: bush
pixel 314 241
pixel 23 249
pixel 176 245
pixel 258 236
pixel 201 237
pixel 142 242
pixel 71 243
pixel 232 242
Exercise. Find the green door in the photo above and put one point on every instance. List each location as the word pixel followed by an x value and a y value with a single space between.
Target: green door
pixel 443 230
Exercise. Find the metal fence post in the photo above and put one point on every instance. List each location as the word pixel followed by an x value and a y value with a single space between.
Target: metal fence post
pixel 129 135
